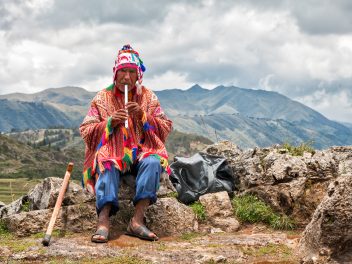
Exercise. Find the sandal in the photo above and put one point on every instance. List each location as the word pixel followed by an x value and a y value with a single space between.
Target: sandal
pixel 141 232
pixel 100 232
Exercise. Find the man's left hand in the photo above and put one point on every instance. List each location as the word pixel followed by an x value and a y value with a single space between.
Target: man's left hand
pixel 134 109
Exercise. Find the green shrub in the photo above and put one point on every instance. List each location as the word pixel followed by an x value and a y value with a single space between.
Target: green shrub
pixel 172 195
pixel 300 149
pixel 250 209
pixel 3 228
pixel 199 210
pixel 25 207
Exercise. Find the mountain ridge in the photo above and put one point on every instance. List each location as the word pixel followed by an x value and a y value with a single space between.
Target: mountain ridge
pixel 247 117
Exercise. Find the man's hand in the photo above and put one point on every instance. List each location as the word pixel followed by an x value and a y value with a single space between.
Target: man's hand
pixel 118 117
pixel 134 109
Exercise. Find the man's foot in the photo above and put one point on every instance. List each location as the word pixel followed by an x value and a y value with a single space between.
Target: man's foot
pixel 100 236
pixel 141 231
pixel 102 233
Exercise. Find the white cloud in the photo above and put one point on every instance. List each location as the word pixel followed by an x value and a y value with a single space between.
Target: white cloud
pixel 290 47
pixel 334 106
pixel 168 80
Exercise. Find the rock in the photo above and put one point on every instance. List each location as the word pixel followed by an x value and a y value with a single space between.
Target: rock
pixel 169 217
pixel 166 217
pixel 229 224
pixel 166 187
pixel 14 207
pixel 75 218
pixel 120 221
pixel 2 204
pixel 291 185
pixel 219 211
pixel 224 148
pixel 344 156
pixel 45 193
pixel 216 204
pixel 329 234
pixel 284 168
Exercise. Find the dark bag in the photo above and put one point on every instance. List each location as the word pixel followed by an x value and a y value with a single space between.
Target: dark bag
pixel 200 174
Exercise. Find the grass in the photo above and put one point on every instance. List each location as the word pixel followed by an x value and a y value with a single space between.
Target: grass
pixel 55 233
pixel 270 249
pixel 12 189
pixel 25 207
pixel 13 244
pixel 199 210
pixel 189 236
pixel 172 195
pixel 300 149
pixel 3 228
pixel 250 209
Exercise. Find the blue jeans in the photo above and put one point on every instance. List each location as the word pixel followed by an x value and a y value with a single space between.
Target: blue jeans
pixel 148 172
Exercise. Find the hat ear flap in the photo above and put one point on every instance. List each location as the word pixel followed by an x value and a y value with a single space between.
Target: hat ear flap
pixel 139 87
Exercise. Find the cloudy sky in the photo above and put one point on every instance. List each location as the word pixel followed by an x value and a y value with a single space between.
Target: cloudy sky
pixel 302 49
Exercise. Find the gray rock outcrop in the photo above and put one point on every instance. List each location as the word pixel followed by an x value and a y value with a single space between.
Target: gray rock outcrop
pixel 328 236
pixel 14 207
pixel 291 185
pixel 45 193
pixel 75 218
pixel 78 214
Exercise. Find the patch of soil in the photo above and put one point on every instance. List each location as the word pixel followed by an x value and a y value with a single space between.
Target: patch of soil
pixel 246 246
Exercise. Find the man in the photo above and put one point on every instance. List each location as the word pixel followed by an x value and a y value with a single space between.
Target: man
pixel 112 148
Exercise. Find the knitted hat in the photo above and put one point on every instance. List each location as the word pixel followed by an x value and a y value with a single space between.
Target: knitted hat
pixel 128 57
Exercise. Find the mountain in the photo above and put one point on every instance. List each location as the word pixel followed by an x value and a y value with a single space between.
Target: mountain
pixel 349 125
pixel 245 116
pixel 72 101
pixel 250 117
pixel 22 115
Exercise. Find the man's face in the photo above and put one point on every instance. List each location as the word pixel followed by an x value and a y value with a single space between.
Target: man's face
pixel 126 76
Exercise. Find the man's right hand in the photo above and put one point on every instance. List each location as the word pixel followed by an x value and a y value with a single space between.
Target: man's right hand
pixel 119 117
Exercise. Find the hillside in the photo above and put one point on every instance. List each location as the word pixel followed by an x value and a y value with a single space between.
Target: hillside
pixel 247 117
pixel 24 115
pixel 46 152
pixel 19 160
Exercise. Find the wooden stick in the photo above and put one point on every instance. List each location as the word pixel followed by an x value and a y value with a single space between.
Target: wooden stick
pixel 47 236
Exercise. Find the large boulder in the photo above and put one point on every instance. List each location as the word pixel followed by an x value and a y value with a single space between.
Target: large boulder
pixel 343 155
pixel 75 218
pixel 45 193
pixel 328 236
pixel 15 207
pixel 166 217
pixel 169 217
pixel 291 185
pixel 219 211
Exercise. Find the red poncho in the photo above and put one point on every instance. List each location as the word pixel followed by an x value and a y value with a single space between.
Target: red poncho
pixel 121 147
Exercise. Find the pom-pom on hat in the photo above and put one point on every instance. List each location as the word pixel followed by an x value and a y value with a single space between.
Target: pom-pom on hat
pixel 128 57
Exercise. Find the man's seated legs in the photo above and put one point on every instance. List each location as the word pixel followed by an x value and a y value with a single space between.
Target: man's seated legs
pixel 106 189
pixel 107 186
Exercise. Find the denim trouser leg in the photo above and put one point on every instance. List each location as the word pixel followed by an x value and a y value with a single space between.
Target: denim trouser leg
pixel 148 178
pixel 147 184
pixel 107 189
